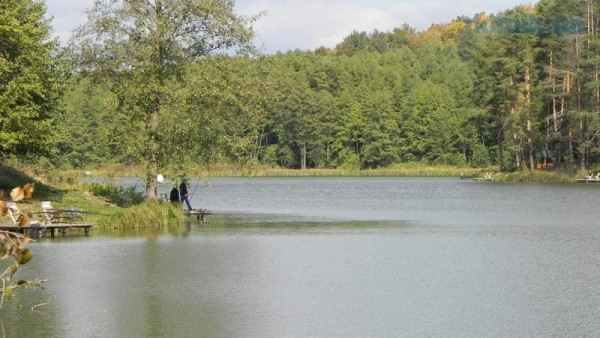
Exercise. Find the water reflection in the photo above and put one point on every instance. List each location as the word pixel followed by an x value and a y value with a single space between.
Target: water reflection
pixel 17 318
pixel 310 282
pixel 134 288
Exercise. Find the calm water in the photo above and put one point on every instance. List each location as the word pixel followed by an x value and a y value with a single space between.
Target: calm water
pixel 334 258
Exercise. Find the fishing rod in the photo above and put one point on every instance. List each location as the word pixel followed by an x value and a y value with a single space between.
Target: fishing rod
pixel 193 189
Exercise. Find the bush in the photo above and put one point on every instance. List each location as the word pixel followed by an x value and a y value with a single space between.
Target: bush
pixel 348 160
pixel 270 156
pixel 123 197
pixel 481 156
pixel 453 159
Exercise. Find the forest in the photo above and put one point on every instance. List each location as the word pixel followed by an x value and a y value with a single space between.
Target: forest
pixel 518 89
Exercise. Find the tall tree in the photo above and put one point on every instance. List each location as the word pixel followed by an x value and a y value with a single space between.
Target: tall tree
pixel 28 79
pixel 143 46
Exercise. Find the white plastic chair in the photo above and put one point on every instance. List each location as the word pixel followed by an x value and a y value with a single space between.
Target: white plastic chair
pixel 13 211
pixel 47 210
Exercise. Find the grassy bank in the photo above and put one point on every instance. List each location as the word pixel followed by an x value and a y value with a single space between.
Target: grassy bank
pixel 151 217
pixel 536 177
pixel 396 170
pixel 64 190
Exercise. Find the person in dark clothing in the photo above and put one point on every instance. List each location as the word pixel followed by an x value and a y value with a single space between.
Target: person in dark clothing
pixel 174 197
pixel 183 193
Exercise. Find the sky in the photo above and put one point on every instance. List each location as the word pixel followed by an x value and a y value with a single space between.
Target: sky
pixel 309 24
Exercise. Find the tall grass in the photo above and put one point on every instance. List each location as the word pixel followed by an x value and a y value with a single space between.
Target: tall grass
pixel 110 170
pixel 396 170
pixel 536 176
pixel 146 216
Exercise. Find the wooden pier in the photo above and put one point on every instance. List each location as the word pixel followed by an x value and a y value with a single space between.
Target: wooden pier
pixel 589 180
pixel 200 214
pixel 37 230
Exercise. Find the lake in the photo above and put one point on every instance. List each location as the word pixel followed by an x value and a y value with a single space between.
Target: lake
pixel 333 257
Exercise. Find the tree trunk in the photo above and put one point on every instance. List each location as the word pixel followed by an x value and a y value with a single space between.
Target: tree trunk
pixel 571 150
pixel 501 150
pixel 556 133
pixel 152 170
pixel 530 144
pixel 529 125
pixel 583 152
pixel 303 156
pixel 154 114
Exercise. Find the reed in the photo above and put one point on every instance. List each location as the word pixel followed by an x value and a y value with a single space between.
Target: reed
pixel 396 170
pixel 536 176
pixel 146 216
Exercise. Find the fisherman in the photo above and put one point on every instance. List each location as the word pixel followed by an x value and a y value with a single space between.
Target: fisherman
pixel 174 196
pixel 183 193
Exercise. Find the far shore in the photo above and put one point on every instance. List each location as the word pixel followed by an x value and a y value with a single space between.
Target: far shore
pixel 396 170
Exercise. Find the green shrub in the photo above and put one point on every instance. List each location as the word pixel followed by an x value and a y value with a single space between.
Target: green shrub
pixel 481 156
pixel 451 159
pixel 270 155
pixel 123 197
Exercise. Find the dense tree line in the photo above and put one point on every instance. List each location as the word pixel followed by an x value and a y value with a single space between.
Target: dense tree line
pixel 519 89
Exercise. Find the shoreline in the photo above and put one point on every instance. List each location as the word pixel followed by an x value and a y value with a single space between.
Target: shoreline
pixel 400 170
pixel 64 190
pixel 407 170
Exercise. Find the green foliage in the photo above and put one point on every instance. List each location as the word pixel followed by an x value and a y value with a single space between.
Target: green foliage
pixel 141 50
pixel 514 89
pixel 270 156
pixel 97 129
pixel 14 251
pixel 29 82
pixel 481 156
pixel 121 196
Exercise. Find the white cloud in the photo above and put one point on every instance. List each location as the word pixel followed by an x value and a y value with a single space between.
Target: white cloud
pixel 67 15
pixel 308 24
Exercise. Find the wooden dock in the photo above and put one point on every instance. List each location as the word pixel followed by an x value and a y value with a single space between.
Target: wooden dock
pixel 200 214
pixel 589 180
pixel 37 230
